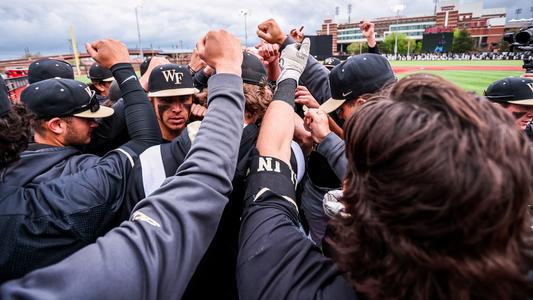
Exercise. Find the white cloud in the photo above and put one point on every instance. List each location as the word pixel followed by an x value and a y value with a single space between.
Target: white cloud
pixel 43 25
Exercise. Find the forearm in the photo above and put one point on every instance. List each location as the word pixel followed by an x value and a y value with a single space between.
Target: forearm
pixel 273 71
pixel 315 76
pixel 374 49
pixel 271 237
pixel 200 79
pixel 140 117
pixel 277 128
pixel 155 254
pixel 110 133
pixel 225 129
pixel 333 126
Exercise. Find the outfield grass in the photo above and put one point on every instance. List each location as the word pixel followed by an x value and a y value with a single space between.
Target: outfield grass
pixel 406 63
pixel 475 81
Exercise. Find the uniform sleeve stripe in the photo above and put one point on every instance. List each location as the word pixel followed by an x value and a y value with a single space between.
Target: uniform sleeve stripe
pixel 127 155
pixel 153 170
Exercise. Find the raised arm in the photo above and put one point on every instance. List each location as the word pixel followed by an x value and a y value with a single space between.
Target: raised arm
pixel 153 256
pixel 276 260
pixel 314 76
pixel 367 29
pixel 140 117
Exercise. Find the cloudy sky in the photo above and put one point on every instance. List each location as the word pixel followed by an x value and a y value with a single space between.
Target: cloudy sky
pixel 42 26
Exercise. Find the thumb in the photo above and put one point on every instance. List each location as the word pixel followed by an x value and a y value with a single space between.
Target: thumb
pixel 305 47
pixel 263 35
pixel 91 50
pixel 200 46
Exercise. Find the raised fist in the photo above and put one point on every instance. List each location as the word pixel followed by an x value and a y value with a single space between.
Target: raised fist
pixel 271 32
pixel 108 52
pixel 222 51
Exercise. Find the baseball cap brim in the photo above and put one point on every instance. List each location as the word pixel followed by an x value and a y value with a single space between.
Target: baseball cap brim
pixel 174 92
pixel 103 112
pixel 528 102
pixel 331 105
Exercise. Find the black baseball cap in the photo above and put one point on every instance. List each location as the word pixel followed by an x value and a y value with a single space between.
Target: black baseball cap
pixel 99 73
pixel 58 97
pixel 114 91
pixel 49 68
pixel 144 65
pixel 170 80
pixel 515 90
pixel 331 62
pixel 5 103
pixel 358 75
pixel 253 70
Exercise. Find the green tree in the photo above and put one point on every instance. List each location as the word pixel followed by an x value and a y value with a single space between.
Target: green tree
pixel 462 41
pixel 418 47
pixel 503 46
pixel 388 43
pixel 356 48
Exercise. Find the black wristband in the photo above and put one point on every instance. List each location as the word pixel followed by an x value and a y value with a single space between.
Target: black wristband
pixel 272 173
pixel 285 91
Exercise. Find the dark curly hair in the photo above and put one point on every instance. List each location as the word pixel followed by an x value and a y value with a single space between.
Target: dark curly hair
pixel 437 191
pixel 14 134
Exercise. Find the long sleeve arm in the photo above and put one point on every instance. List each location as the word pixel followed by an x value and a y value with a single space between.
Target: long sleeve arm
pixel 332 148
pixel 154 255
pixel 276 260
pixel 315 77
pixel 140 117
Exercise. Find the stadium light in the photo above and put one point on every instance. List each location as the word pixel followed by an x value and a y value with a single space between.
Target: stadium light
pixel 245 13
pixel 397 8
pixel 139 5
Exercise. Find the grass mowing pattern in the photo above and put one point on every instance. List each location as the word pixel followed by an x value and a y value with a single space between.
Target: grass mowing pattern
pixel 476 81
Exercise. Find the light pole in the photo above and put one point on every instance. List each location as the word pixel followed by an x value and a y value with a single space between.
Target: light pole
pixel 245 13
pixel 139 29
pixel 397 8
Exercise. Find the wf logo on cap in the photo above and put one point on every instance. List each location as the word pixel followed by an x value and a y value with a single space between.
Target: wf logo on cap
pixel 172 75
pixel 530 85
pixel 88 90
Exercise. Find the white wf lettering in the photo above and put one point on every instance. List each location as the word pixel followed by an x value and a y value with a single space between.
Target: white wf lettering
pixel 171 75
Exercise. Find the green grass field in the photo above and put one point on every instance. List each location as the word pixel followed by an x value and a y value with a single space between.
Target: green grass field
pixel 476 81
pixel 457 63
pixel 472 81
